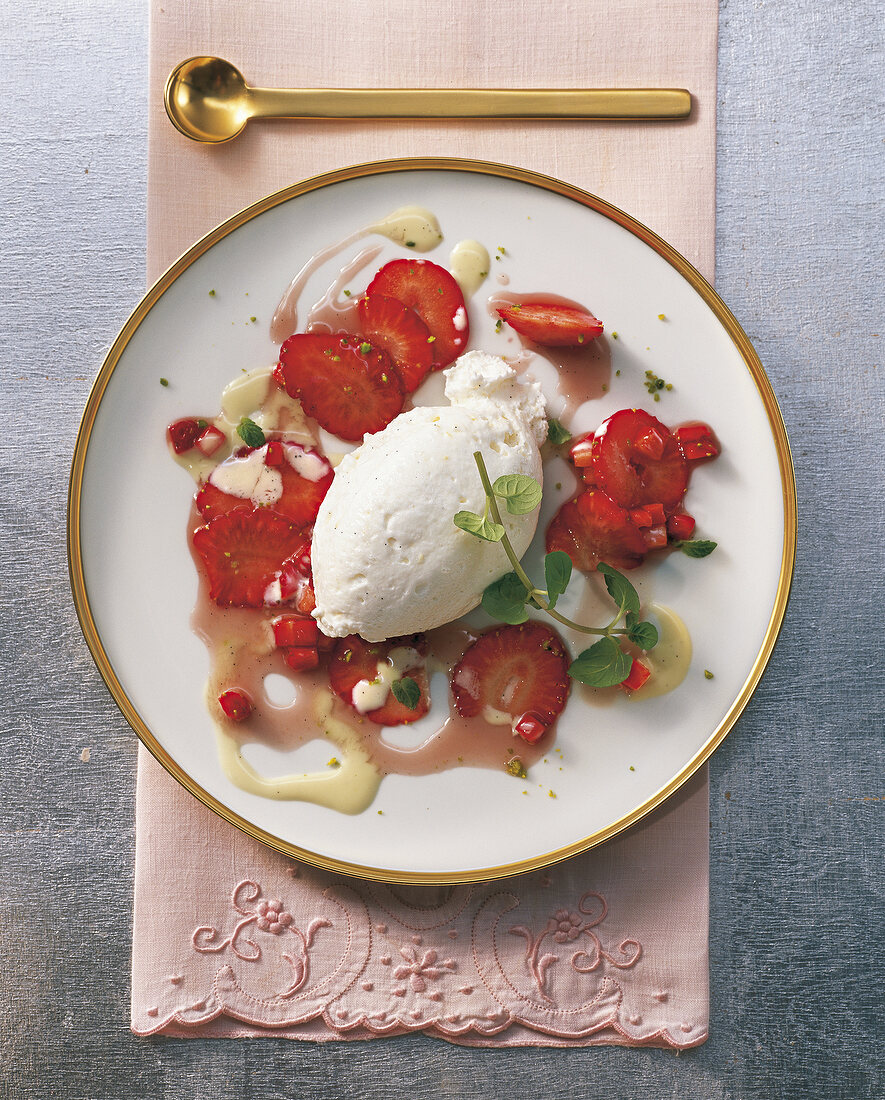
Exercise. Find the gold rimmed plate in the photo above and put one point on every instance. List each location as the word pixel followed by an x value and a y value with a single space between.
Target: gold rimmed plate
pixel 208 319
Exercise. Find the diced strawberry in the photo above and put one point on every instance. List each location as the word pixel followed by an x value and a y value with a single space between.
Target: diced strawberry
pixel 209 440
pixel 346 385
pixel 183 434
pixel 680 525
pixel 551 324
pixel 581 451
pixel 355 660
pixel 301 496
pixel 697 441
pixel 650 443
pixel 637 676
pixel 625 466
pixel 641 517
pixel 274 455
pixel 530 727
pixel 518 670
pixel 244 553
pixel 301 658
pixel 655 537
pixel 296 580
pixel 291 630
pixel 591 528
pixel 236 704
pixel 401 333
pixel 433 294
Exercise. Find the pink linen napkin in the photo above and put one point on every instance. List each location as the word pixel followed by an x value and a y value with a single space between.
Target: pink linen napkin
pixel 233 939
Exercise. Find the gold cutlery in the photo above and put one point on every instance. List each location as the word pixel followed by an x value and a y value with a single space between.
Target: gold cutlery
pixel 208 99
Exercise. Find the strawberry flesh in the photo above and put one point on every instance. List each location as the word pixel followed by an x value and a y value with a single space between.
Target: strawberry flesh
pixel 236 704
pixel 244 553
pixel 354 660
pixel 551 324
pixel 433 294
pixel 301 497
pixel 518 670
pixel 399 330
pixel 183 434
pixel 638 461
pixel 591 528
pixel 348 386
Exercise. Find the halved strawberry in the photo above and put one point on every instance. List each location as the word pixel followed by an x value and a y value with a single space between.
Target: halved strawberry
pixel 344 383
pixel 591 528
pixel 518 670
pixel 401 333
pixel 305 474
pixel 244 553
pixel 355 661
pixel 638 461
pixel 551 324
pixel 435 296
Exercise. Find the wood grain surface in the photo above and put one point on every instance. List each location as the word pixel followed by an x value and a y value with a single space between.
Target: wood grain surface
pixel 797 794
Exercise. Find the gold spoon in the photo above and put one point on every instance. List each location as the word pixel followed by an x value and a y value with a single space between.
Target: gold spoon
pixel 208 99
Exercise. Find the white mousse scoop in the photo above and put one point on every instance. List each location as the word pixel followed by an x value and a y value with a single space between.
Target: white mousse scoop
pixel 387 557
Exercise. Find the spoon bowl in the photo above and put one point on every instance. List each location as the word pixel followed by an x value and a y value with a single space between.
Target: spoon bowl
pixel 207 99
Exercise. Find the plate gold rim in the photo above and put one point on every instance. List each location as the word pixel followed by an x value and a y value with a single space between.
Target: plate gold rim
pixel 547 183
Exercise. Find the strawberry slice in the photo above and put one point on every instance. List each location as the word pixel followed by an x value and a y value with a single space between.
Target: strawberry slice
pixel 356 662
pixel 345 384
pixel 551 324
pixel 638 461
pixel 305 475
pixel 401 333
pixel 433 294
pixel 518 670
pixel 244 553
pixel 591 528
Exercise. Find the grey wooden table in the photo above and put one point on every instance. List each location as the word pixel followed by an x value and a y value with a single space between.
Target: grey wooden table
pixel 797 797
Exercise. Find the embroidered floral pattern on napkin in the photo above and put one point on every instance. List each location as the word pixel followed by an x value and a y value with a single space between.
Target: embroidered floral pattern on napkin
pixel 288 945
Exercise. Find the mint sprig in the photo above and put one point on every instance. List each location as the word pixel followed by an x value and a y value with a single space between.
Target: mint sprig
pixel 507 599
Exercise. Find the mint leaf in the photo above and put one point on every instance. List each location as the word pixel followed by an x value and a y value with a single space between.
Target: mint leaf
pixel 558 572
pixel 556 433
pixel 696 548
pixel 644 634
pixel 407 692
pixel 480 526
pixel 602 665
pixel 619 588
pixel 521 492
pixel 250 433
pixel 505 600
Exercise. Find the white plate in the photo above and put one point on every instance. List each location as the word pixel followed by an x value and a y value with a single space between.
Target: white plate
pixel 134 582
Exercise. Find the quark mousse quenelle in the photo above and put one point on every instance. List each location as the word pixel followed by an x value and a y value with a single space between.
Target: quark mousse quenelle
pixel 387 559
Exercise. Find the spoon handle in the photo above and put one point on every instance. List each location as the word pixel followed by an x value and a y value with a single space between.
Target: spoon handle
pixel 548 103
